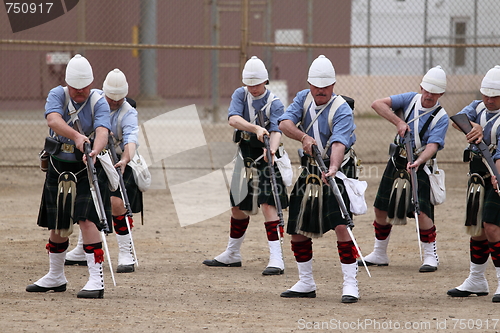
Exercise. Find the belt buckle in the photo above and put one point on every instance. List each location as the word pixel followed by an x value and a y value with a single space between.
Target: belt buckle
pixel 67 148
pixel 245 136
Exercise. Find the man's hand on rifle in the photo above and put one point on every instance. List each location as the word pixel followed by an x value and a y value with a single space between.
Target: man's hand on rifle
pixel 476 133
pixel 307 142
pixel 260 132
pixel 121 164
pixel 273 152
pixel 80 139
pixel 402 127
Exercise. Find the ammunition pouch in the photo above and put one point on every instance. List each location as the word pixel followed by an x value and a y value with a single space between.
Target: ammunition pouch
pixel 251 139
pixel 52 146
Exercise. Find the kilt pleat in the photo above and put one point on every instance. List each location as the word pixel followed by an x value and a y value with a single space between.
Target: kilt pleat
pixel 84 204
pixel 385 187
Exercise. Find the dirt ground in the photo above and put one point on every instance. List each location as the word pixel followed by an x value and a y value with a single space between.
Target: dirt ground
pixel 171 291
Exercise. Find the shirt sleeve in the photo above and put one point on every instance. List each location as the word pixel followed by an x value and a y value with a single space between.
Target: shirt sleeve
pixel 437 134
pixel 55 101
pixel 295 110
pixel 343 126
pixel 130 127
pixel 102 114
pixel 401 101
pixel 237 105
pixel 277 110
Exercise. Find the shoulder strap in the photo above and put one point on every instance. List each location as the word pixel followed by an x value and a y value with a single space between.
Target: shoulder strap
pixel 410 107
pixel 494 129
pixel 439 115
pixel 307 103
pixel 428 122
pixel 267 107
pixel 339 100
pixel 480 107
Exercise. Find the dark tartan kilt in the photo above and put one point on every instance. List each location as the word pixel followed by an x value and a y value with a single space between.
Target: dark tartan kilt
pixel 385 188
pixel 84 208
pixel 332 216
pixel 491 208
pixel 133 193
pixel 265 193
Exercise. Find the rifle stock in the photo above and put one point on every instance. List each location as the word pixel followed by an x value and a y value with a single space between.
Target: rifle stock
pixel 462 121
pixel 413 172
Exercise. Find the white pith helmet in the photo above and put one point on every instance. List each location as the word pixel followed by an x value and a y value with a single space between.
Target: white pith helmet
pixel 254 72
pixel 490 86
pixel 79 72
pixel 321 73
pixel 434 81
pixel 115 86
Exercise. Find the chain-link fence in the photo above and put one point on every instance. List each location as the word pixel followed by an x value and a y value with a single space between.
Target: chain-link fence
pixel 177 53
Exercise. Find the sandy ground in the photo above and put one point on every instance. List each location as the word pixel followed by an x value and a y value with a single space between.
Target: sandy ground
pixel 171 291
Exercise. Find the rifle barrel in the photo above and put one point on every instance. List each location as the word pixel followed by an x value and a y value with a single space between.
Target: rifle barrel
pixel 333 185
pixel 92 174
pixel 414 186
pixel 123 189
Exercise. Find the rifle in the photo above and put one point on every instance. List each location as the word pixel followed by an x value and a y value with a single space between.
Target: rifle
pixel 123 191
pixel 462 121
pixel 96 194
pixel 274 182
pixel 338 196
pixel 414 185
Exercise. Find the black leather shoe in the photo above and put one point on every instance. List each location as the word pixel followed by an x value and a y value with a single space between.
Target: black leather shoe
pixel 75 262
pixel 125 268
pixel 427 268
pixel 90 293
pixel 496 298
pixel 349 299
pixel 33 288
pixel 463 293
pixel 272 271
pixel 360 263
pixel 217 263
pixel 297 294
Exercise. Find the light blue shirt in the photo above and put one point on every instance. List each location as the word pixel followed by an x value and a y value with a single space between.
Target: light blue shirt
pixel 434 134
pixel 342 129
pixel 56 103
pixel 470 111
pixel 239 107
pixel 129 123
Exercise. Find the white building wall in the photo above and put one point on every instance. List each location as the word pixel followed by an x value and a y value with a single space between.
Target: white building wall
pixel 403 22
